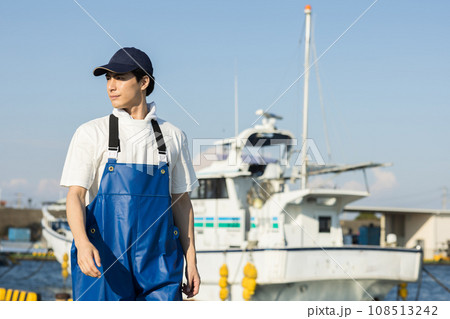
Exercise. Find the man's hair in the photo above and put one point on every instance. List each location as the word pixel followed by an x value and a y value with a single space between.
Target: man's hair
pixel 139 74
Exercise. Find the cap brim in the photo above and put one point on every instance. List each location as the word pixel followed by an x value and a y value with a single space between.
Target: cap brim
pixel 114 67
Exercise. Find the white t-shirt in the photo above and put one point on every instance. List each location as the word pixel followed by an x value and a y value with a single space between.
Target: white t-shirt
pixel 88 151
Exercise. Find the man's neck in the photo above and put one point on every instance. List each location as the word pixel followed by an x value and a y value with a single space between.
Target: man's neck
pixel 138 112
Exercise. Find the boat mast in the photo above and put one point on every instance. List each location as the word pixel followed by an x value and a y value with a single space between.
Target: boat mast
pixel 236 108
pixel 305 95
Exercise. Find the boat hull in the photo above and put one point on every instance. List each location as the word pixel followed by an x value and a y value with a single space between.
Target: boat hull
pixel 320 274
pixel 60 243
pixel 330 273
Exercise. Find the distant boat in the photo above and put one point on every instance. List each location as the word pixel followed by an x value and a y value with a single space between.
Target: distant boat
pixel 56 230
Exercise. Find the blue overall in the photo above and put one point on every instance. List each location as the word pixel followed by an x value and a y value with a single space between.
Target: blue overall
pixel 130 222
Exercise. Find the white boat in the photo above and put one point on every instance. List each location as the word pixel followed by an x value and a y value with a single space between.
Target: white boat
pixel 250 208
pixel 250 211
pixel 56 230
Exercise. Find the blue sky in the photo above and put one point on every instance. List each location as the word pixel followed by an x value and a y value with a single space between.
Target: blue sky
pixel 385 82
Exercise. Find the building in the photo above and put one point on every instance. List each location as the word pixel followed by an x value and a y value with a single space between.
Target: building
pixel 409 227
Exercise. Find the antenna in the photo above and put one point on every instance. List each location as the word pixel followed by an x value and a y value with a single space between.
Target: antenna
pixel 305 94
pixel 236 107
pixel 444 197
pixel 19 200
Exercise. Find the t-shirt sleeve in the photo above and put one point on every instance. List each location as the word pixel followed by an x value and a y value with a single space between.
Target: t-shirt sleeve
pixel 183 174
pixel 79 165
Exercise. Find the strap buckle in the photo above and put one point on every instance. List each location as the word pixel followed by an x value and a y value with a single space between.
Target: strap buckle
pixel 113 152
pixel 162 156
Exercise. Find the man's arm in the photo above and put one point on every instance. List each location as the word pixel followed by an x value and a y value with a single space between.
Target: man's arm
pixel 76 216
pixel 183 215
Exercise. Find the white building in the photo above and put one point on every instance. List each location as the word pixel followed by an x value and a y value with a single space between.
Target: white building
pixel 429 228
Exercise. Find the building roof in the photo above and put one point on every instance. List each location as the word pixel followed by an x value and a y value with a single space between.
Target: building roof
pixel 395 210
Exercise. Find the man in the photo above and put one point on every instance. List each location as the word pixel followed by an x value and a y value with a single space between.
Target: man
pixel 135 171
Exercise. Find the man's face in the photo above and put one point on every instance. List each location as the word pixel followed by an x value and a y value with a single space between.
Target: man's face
pixel 123 90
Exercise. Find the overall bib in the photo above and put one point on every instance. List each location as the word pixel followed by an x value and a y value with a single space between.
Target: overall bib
pixel 130 222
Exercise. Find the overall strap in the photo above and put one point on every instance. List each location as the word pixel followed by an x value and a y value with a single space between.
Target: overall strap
pixel 159 141
pixel 114 142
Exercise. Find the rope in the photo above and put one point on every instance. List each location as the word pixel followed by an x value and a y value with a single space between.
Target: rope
pixel 15 264
pixel 419 286
pixel 8 270
pixel 436 280
pixel 34 272
pixel 27 276
pixel 322 106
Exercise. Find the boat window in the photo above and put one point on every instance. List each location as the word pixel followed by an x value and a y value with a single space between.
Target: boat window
pixel 224 152
pixel 265 148
pixel 324 224
pixel 210 188
pixel 266 139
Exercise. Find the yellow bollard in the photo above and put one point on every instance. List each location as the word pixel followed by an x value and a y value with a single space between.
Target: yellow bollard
pixel 64 266
pixel 403 292
pixel 8 295
pixel 223 282
pixel 15 295
pixel 32 296
pixel 244 282
pixel 246 295
pixel 223 271
pixel 251 285
pixel 252 273
pixel 64 272
pixel 22 295
pixel 249 281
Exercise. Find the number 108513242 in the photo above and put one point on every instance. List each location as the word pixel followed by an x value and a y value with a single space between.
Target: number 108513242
pixel 403 310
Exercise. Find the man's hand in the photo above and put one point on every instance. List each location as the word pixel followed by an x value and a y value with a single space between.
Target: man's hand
pixel 191 288
pixel 183 216
pixel 76 216
pixel 86 255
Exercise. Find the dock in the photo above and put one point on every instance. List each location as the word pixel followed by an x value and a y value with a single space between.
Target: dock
pixel 18 247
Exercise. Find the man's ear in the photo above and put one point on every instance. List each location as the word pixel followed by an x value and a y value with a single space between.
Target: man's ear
pixel 145 81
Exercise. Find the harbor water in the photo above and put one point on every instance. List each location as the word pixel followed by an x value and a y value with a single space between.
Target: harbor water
pixel 41 276
pixel 44 277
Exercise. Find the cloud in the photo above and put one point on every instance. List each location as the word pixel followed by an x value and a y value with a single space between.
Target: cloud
pixel 42 190
pixel 15 190
pixel 354 185
pixel 320 182
pixel 384 180
pixel 48 187
pixel 17 183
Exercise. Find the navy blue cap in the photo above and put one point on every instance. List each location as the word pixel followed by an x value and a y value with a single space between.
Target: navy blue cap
pixel 126 60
